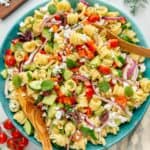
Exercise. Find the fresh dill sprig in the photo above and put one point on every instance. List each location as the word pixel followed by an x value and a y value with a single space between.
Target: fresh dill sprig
pixel 135 4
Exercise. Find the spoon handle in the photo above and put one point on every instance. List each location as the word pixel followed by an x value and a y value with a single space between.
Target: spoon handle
pixel 126 46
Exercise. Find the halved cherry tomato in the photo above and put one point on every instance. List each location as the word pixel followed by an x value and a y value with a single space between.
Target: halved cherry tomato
pixel 42 52
pixel 88 111
pixel 8 124
pixel 8 52
pixel 93 18
pixel 89 92
pixel 57 17
pixel 91 45
pixel 66 100
pixel 89 54
pixel 10 60
pixel 121 100
pixel 104 70
pixel 82 52
pixel 79 47
pixel 16 134
pixel 3 137
pixel 113 43
pixel 26 57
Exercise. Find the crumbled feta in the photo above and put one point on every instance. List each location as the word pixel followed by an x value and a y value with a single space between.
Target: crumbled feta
pixel 44 8
pixel 84 37
pixel 142 67
pixel 67 33
pixel 22 24
pixel 125 83
pixel 59 114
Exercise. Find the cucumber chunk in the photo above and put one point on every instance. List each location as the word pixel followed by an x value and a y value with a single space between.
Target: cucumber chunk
pixel 67 74
pixel 28 128
pixel 49 100
pixel 35 85
pixel 4 73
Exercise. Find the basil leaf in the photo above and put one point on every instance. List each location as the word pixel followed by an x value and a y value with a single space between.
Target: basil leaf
pixel 47 85
pixel 88 132
pixel 70 63
pixel 17 81
pixel 104 86
pixel 121 59
pixel 52 9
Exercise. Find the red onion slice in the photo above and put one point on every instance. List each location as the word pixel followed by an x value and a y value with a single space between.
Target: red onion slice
pixel 84 2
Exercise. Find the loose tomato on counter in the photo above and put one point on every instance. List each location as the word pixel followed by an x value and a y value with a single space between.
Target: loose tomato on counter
pixel 23 142
pixel 8 125
pixel 3 137
pixel 16 134
pixel 104 70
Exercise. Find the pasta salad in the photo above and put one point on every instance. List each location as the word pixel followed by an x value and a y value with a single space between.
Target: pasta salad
pixel 85 85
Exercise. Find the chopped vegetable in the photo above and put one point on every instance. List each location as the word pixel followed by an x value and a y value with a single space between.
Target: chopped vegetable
pixel 88 132
pixel 46 33
pixel 89 92
pixel 121 100
pixel 39 99
pixel 52 9
pixel 93 18
pixel 104 70
pixel 104 86
pixel 91 46
pixel 70 63
pixel 49 100
pixel 67 74
pixel 47 85
pixel 121 59
pixel 128 91
pixel 4 73
pixel 35 85
pixel 88 111
pixel 113 43
pixel 10 60
pixel 17 81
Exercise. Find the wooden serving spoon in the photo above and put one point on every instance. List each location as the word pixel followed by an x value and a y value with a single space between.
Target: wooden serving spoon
pixel 126 46
pixel 34 114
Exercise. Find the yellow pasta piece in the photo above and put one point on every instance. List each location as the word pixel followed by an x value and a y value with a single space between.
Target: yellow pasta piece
pixel 29 46
pixel 72 18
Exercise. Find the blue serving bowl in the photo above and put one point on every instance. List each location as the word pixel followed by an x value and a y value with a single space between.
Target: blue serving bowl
pixel 125 129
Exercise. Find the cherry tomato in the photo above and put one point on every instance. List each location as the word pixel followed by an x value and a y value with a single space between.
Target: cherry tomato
pixel 113 43
pixel 89 54
pixel 8 52
pixel 93 18
pixel 10 60
pixel 11 144
pixel 19 148
pixel 42 52
pixel 89 92
pixel 104 70
pixel 79 47
pixel 57 17
pixel 23 142
pixel 3 137
pixel 16 134
pixel 121 100
pixel 8 125
pixel 88 111
pixel 67 100
pixel 91 46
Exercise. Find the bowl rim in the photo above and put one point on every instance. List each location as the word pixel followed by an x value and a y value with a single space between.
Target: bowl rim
pixel 109 5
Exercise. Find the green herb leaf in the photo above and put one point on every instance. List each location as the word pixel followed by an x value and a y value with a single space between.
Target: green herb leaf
pixel 121 59
pixel 52 9
pixel 119 72
pixel 104 86
pixel 70 63
pixel 128 91
pixel 88 132
pixel 126 38
pixel 47 85
pixel 17 80
pixel 39 99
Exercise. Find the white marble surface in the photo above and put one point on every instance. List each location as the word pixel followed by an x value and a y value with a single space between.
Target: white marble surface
pixel 140 138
